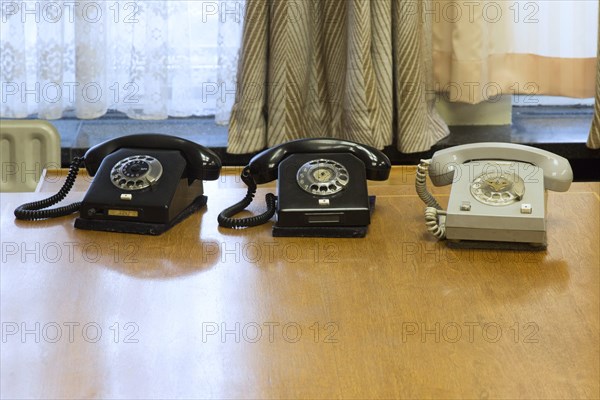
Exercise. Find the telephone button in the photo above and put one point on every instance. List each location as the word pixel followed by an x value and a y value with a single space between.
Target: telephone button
pixel 465 206
pixel 526 209
pixel 126 196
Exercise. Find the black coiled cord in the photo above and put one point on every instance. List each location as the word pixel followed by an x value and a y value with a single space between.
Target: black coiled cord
pixel 34 210
pixel 225 217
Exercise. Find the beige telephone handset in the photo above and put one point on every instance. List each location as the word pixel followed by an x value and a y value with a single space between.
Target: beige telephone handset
pixel 497 195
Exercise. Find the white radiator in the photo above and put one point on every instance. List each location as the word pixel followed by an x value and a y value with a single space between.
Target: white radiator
pixel 27 147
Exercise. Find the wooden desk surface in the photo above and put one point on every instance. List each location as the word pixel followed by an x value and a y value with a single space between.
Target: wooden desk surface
pixel 205 312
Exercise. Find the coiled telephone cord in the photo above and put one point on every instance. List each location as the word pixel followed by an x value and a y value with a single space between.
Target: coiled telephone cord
pixel 421 185
pixel 225 217
pixel 435 216
pixel 435 221
pixel 35 210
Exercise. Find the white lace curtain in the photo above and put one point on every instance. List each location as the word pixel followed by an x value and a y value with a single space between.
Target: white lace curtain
pixel 148 59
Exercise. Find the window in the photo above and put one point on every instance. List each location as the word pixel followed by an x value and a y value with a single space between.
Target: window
pixel 148 59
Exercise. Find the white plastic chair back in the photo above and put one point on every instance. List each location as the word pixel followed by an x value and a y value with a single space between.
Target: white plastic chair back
pixel 27 147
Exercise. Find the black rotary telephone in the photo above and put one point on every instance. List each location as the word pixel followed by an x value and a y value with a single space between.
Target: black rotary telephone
pixel 322 189
pixel 142 184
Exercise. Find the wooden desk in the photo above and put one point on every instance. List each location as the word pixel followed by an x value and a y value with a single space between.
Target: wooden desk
pixel 204 312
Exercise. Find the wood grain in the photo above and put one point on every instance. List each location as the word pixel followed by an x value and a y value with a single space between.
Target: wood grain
pixel 205 312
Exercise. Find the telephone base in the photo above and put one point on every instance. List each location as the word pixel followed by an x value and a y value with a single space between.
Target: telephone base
pixel 325 231
pixel 141 228
pixel 492 245
pixel 320 231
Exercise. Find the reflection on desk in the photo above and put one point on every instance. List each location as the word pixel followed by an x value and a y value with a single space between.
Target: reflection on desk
pixel 205 312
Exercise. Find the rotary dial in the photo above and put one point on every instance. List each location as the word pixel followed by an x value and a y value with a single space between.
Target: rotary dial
pixel 136 172
pixel 322 177
pixel 498 188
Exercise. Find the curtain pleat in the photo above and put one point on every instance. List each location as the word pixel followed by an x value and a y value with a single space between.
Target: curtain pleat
pixel 348 69
pixel 419 124
pixel 594 138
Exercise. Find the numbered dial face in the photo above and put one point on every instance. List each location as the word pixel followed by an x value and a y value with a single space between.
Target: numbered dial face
pixel 322 177
pixel 498 188
pixel 136 172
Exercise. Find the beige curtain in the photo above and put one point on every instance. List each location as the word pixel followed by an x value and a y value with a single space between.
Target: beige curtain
pixel 594 139
pixel 485 48
pixel 349 69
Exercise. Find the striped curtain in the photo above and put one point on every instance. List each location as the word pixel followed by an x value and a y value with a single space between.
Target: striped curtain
pixel 349 69
pixel 594 139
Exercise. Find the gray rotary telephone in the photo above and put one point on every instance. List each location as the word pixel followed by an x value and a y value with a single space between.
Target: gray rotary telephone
pixel 497 195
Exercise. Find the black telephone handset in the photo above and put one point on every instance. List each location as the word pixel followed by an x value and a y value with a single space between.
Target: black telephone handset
pixel 142 184
pixel 321 184
pixel 201 163
pixel 263 166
